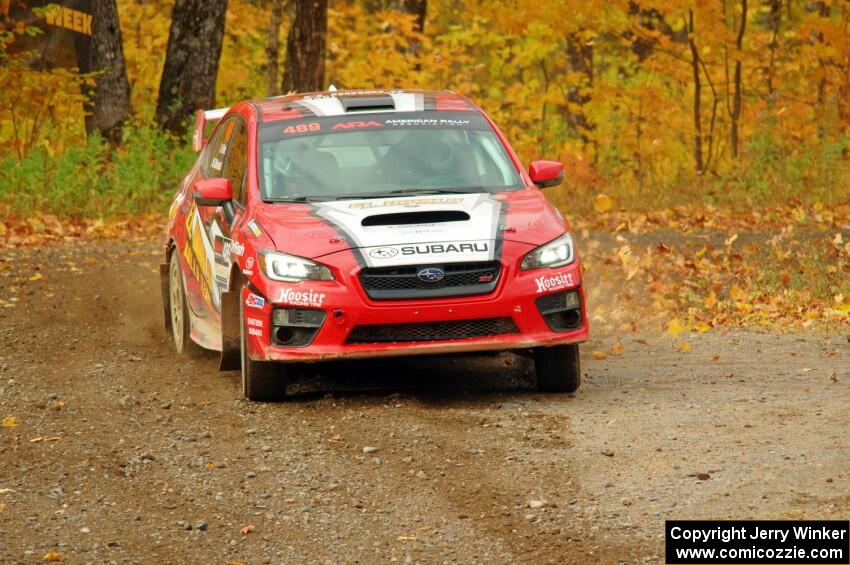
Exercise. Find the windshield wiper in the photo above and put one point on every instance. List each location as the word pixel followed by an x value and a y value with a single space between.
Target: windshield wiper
pixel 291 199
pixel 400 192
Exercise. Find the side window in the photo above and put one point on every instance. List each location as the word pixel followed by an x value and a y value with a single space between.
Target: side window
pixel 234 168
pixel 218 150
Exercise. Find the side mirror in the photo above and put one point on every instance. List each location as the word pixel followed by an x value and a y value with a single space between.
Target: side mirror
pixel 212 192
pixel 546 173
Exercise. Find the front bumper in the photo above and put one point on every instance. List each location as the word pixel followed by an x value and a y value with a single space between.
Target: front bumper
pixel 347 307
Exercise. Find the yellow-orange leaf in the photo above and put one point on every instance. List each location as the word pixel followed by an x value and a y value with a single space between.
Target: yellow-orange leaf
pixel 602 203
pixel 675 327
pixel 736 293
pixel 600 355
pixel 52 556
pixel 10 422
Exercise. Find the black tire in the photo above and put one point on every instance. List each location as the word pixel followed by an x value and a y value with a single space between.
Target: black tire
pixel 558 368
pixel 178 309
pixel 261 381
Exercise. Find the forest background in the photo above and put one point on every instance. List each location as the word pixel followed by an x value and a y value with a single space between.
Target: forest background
pixel 718 115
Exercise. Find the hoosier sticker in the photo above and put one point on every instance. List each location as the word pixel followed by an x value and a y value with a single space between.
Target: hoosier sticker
pixel 554 282
pixel 301 298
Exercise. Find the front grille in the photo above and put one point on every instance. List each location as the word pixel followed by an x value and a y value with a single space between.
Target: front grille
pixel 432 331
pixel 462 279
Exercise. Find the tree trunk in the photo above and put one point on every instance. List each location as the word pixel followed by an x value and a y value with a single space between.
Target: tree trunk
pixel 418 8
pixel 304 70
pixel 737 95
pixel 580 56
pixel 700 167
pixel 191 62
pixel 273 47
pixel 774 25
pixel 824 12
pixel 109 98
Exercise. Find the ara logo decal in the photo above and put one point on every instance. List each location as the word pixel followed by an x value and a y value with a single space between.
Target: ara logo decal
pixel 383 252
pixel 255 301
pixel 358 125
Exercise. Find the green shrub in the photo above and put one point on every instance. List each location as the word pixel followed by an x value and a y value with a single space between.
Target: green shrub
pixel 93 179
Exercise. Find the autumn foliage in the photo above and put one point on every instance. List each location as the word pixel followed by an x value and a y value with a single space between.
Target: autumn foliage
pixel 723 117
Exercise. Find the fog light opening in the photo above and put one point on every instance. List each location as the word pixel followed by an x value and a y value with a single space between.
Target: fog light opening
pixel 283 335
pixel 572 318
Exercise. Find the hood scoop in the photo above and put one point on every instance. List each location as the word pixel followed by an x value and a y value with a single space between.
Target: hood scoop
pixel 407 218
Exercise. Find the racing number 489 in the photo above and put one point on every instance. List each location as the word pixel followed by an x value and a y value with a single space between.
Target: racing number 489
pixel 303 128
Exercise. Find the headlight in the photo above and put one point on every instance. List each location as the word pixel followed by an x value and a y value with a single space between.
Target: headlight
pixel 556 253
pixel 289 268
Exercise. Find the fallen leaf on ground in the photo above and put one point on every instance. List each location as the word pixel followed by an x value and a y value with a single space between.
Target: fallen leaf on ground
pixel 675 327
pixel 406 538
pixel 618 348
pixel 602 203
pixel 685 346
pixel 52 556
pixel 600 355
pixel 10 422
pixel 36 277
pixel 245 530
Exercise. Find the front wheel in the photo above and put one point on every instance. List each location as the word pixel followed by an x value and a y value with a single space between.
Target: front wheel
pixel 558 368
pixel 261 381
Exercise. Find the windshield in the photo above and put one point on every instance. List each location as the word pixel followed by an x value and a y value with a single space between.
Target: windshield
pixel 373 155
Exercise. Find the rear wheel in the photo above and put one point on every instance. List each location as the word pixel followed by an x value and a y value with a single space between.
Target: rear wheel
pixel 261 381
pixel 178 311
pixel 558 368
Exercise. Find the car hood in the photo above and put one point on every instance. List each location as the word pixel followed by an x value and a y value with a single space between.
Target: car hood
pixel 413 229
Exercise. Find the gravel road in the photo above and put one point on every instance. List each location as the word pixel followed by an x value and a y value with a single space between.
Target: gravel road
pixel 123 452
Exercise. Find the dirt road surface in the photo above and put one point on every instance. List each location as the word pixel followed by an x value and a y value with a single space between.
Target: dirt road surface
pixel 123 452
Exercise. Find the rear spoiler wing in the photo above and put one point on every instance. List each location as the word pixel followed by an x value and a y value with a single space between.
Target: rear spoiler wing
pixel 201 119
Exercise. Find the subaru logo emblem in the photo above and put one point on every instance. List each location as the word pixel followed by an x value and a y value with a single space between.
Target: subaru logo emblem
pixel 383 252
pixel 431 275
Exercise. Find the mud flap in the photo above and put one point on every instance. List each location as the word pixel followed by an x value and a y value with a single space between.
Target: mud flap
pixel 230 331
pixel 163 283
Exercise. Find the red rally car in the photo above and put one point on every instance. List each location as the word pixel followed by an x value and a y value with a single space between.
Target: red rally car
pixel 357 224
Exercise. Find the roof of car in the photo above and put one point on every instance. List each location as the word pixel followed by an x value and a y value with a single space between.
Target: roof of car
pixel 351 102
